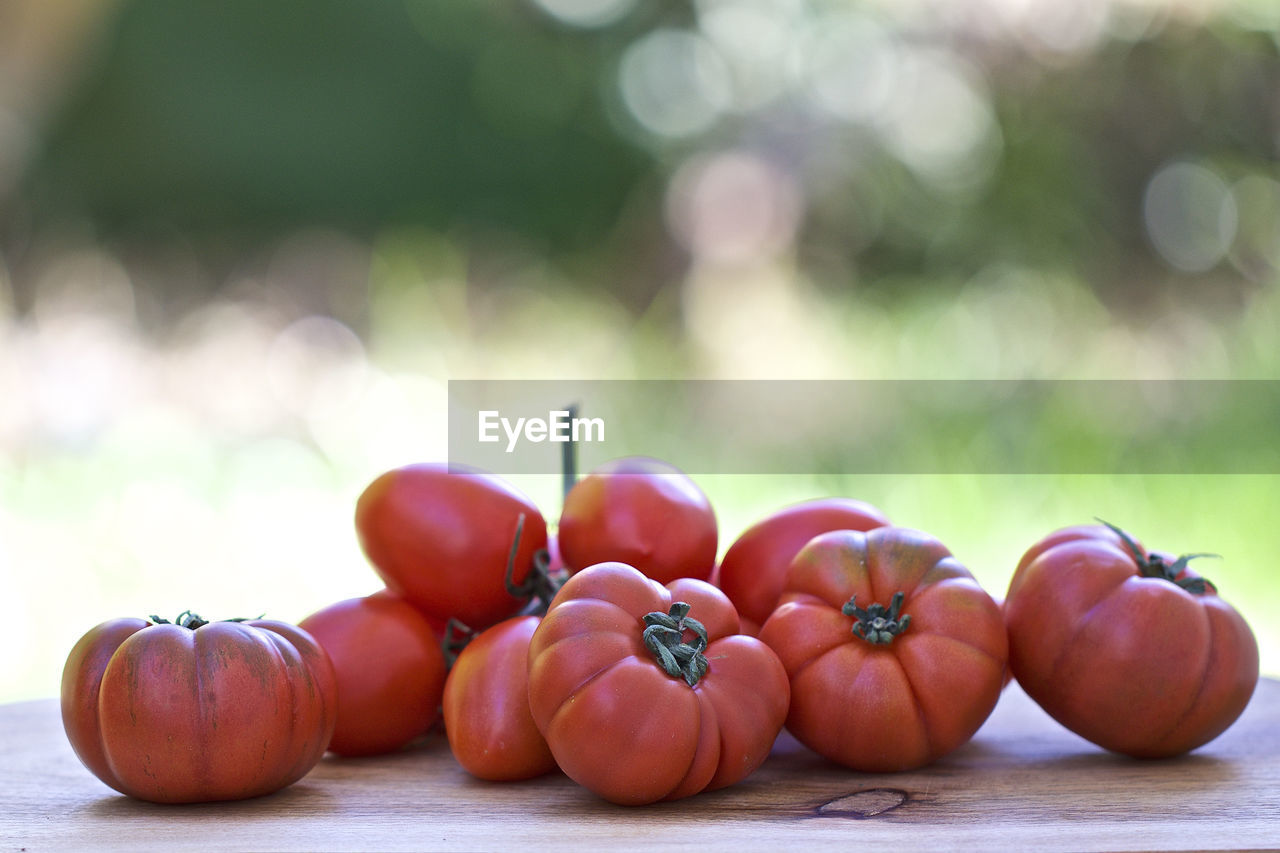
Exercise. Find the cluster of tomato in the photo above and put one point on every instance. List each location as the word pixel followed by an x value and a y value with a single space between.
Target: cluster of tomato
pixel 619 651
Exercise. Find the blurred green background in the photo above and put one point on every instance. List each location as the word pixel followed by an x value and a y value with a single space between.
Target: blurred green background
pixel 244 245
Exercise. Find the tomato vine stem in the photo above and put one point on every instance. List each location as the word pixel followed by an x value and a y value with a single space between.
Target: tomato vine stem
pixel 664 637
pixel 456 636
pixel 540 585
pixel 569 457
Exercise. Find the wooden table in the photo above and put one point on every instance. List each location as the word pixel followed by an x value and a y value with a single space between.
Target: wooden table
pixel 1023 782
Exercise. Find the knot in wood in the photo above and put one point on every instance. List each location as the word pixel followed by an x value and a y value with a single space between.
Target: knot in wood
pixel 861 805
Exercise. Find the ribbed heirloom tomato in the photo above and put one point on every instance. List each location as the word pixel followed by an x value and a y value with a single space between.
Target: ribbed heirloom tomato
pixel 1128 648
pixel 198 711
pixel 389 668
pixel 896 656
pixel 647 693
pixel 642 512
pixel 440 540
pixel 486 706
pixel 1074 533
pixel 754 568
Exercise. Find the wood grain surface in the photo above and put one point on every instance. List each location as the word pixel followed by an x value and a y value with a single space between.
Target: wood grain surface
pixel 1022 783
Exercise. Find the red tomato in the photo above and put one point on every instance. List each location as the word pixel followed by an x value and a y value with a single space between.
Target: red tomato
pixel 1008 672
pixel 555 562
pixel 1128 648
pixel 1066 534
pixel 389 667
pixel 441 539
pixel 896 656
pixel 754 568
pixel 641 512
pixel 198 711
pixel 647 693
pixel 486 706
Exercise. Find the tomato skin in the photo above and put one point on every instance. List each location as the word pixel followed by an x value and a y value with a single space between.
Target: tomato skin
pixel 1137 665
pixel 754 569
pixel 642 512
pixel 1074 533
pixel 486 706
pixel 905 703
pixel 441 539
pixel 226 711
pixel 555 562
pixel 389 667
pixel 617 723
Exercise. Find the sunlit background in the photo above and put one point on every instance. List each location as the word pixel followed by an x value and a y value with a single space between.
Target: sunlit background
pixel 244 245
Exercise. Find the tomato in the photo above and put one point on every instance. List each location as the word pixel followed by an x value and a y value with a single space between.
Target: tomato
pixel 390 671
pixel 1066 534
pixel 896 656
pixel 755 566
pixel 440 540
pixel 486 706
pixel 642 512
pixel 555 562
pixel 198 711
pixel 647 693
pixel 1128 648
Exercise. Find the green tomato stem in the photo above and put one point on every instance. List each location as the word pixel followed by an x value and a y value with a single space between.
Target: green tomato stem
pixel 187 619
pixel 664 638
pixel 1154 566
pixel 878 624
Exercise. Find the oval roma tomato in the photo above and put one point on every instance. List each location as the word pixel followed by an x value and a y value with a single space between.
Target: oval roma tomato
pixel 440 540
pixel 198 711
pixel 642 512
pixel 1128 648
pixel 389 667
pixel 647 693
pixel 486 706
pixel 755 566
pixel 896 656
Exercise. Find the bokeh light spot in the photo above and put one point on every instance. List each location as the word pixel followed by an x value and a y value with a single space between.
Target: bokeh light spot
pixel 587 13
pixel 755 39
pixel 1190 216
pixel 733 208
pixel 316 367
pixel 849 64
pixel 940 122
pixel 674 83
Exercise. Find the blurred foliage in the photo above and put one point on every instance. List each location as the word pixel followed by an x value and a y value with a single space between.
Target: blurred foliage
pixel 260 117
pixel 496 123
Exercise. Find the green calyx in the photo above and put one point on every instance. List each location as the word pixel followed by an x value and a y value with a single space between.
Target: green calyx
pixel 187 619
pixel 1153 566
pixel 664 637
pixel 878 624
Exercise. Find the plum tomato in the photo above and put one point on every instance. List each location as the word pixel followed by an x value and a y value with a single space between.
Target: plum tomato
pixel 389 668
pixel 754 568
pixel 486 706
pixel 642 512
pixel 440 539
